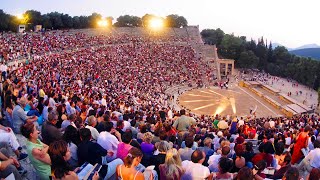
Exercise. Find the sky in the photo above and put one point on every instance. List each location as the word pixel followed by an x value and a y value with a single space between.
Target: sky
pixel 291 23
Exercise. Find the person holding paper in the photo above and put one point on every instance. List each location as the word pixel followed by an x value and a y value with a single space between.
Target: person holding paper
pixel 60 154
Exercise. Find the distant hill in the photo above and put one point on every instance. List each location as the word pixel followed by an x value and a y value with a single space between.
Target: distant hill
pixel 274 45
pixel 308 52
pixel 307 46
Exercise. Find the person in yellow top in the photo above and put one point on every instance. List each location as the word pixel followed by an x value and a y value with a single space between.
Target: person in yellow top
pixel 41 92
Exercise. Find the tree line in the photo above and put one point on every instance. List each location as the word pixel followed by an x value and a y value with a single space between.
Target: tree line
pixel 261 55
pixel 56 20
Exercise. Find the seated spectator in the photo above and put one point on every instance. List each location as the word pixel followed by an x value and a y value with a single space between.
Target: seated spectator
pixel 222 125
pixel 37 151
pixel 207 147
pixel 292 174
pixel 49 131
pixel 171 169
pixel 60 155
pixel 214 159
pixel 314 174
pixel 89 151
pixel 127 171
pixel 186 152
pixel 285 163
pixel 239 160
pixel 68 121
pixel 225 165
pixel 8 137
pixel 195 142
pixel 71 136
pixel 124 146
pixel 194 168
pixel 245 173
pixel 109 141
pixel 19 117
pixel 92 122
pixel 146 147
pixel 248 154
pixel 10 165
pixel 266 149
pixel 158 159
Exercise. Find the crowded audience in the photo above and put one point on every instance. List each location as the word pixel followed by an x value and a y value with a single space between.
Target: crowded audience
pixel 101 100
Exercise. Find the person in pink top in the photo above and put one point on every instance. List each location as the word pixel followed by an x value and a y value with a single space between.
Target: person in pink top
pixel 124 147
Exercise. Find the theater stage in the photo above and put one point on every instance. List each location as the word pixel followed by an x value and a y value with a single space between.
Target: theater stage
pixel 234 101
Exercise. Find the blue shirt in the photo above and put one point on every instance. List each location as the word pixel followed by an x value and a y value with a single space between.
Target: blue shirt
pixel 19 117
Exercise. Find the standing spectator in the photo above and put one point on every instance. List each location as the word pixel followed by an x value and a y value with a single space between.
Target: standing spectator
pixel 301 142
pixel 182 124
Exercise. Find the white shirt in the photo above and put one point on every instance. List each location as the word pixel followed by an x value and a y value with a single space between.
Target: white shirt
pixel 195 170
pixel 126 125
pixel 108 142
pixel 213 162
pixel 288 141
pixel 240 123
pixel 94 132
pixel 104 102
pixel 170 114
pixel 272 123
pixel 314 158
pixel 52 103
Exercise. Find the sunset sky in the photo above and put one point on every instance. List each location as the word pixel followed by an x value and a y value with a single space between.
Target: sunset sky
pixel 290 23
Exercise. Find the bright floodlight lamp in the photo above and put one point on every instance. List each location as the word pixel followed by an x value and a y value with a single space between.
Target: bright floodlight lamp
pixel 156 23
pixel 102 23
pixel 20 16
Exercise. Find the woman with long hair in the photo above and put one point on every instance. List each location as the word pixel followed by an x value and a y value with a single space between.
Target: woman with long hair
pixel 72 137
pixel 172 168
pixel 128 171
pixel 60 155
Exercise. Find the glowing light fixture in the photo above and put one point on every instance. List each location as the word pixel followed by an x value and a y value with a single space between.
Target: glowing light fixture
pixel 20 16
pixel 156 23
pixel 102 23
